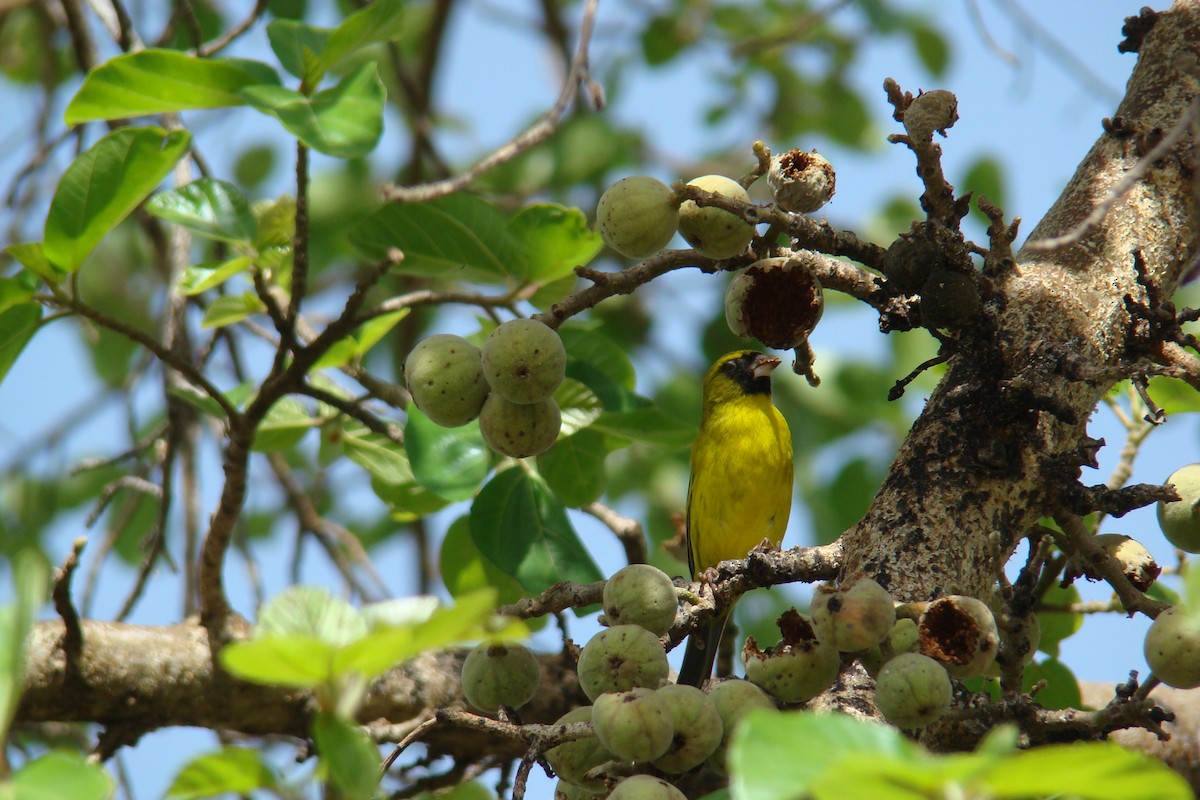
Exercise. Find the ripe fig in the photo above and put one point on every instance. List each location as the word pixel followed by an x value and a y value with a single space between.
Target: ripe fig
pixel 621 658
pixel 797 669
pixel 1172 647
pixel 697 728
pixel 714 231
pixel 855 617
pixel 495 675
pixel 572 760
pixel 636 216
pixel 801 182
pixel 913 691
pixel 960 632
pixel 640 594
pixel 1180 520
pixel 645 787
pixel 519 430
pixel 444 375
pixel 634 725
pixel 775 300
pixel 524 361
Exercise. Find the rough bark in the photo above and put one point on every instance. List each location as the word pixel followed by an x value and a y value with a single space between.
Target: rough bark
pixel 1001 439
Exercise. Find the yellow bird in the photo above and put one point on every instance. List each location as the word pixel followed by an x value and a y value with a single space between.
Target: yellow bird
pixel 740 490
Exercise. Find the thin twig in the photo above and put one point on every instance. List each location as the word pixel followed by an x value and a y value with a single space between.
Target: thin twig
pixel 628 530
pixel 536 133
pixel 72 632
pixel 1122 187
pixel 223 41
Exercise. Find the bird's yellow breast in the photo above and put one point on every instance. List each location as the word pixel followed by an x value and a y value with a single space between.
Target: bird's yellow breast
pixel 740 491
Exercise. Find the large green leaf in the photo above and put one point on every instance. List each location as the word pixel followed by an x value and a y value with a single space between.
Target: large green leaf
pixel 308 51
pixel 162 81
pixel 450 462
pixel 1090 770
pixel 231 770
pixel 210 207
pixel 574 467
pixel 103 185
pixel 349 760
pixel 464 569
pixel 649 425
pixel 32 576
pixel 1058 625
pixel 302 662
pixel 32 256
pixel 59 775
pixel 556 239
pixel 17 326
pixel 459 237
pixel 344 121
pixel 521 527
pixel 766 764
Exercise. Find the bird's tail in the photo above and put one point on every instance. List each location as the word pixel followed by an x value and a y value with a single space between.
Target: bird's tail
pixel 702 651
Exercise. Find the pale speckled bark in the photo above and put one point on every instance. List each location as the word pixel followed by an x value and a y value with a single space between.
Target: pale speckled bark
pixel 979 467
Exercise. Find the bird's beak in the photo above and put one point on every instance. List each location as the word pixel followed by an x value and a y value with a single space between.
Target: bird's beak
pixel 763 366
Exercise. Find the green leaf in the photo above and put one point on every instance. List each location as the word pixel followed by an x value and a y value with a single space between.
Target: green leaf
pixel 349 760
pixel 162 81
pixel 380 21
pixel 362 340
pixel 556 240
pixel 649 425
pixel 587 343
pixel 578 404
pixel 518 524
pixel 231 308
pixel 209 207
pixel 17 326
pixel 450 462
pixel 766 764
pixel 932 48
pixel 1058 625
pixel 297 46
pixel 345 121
pixel 458 237
pixel 232 770
pixel 31 576
pixel 1062 688
pixel 1091 770
pixel 103 185
pixel 310 611
pixel 574 468
pixel 17 290
pixel 472 617
pixel 60 775
pixel 1173 395
pixel 302 662
pixel 285 424
pixel 200 278
pixel 378 455
pixel 32 256
pixel 464 569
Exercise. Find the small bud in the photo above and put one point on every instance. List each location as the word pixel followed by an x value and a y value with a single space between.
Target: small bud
pixel 948 300
pixel 801 182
